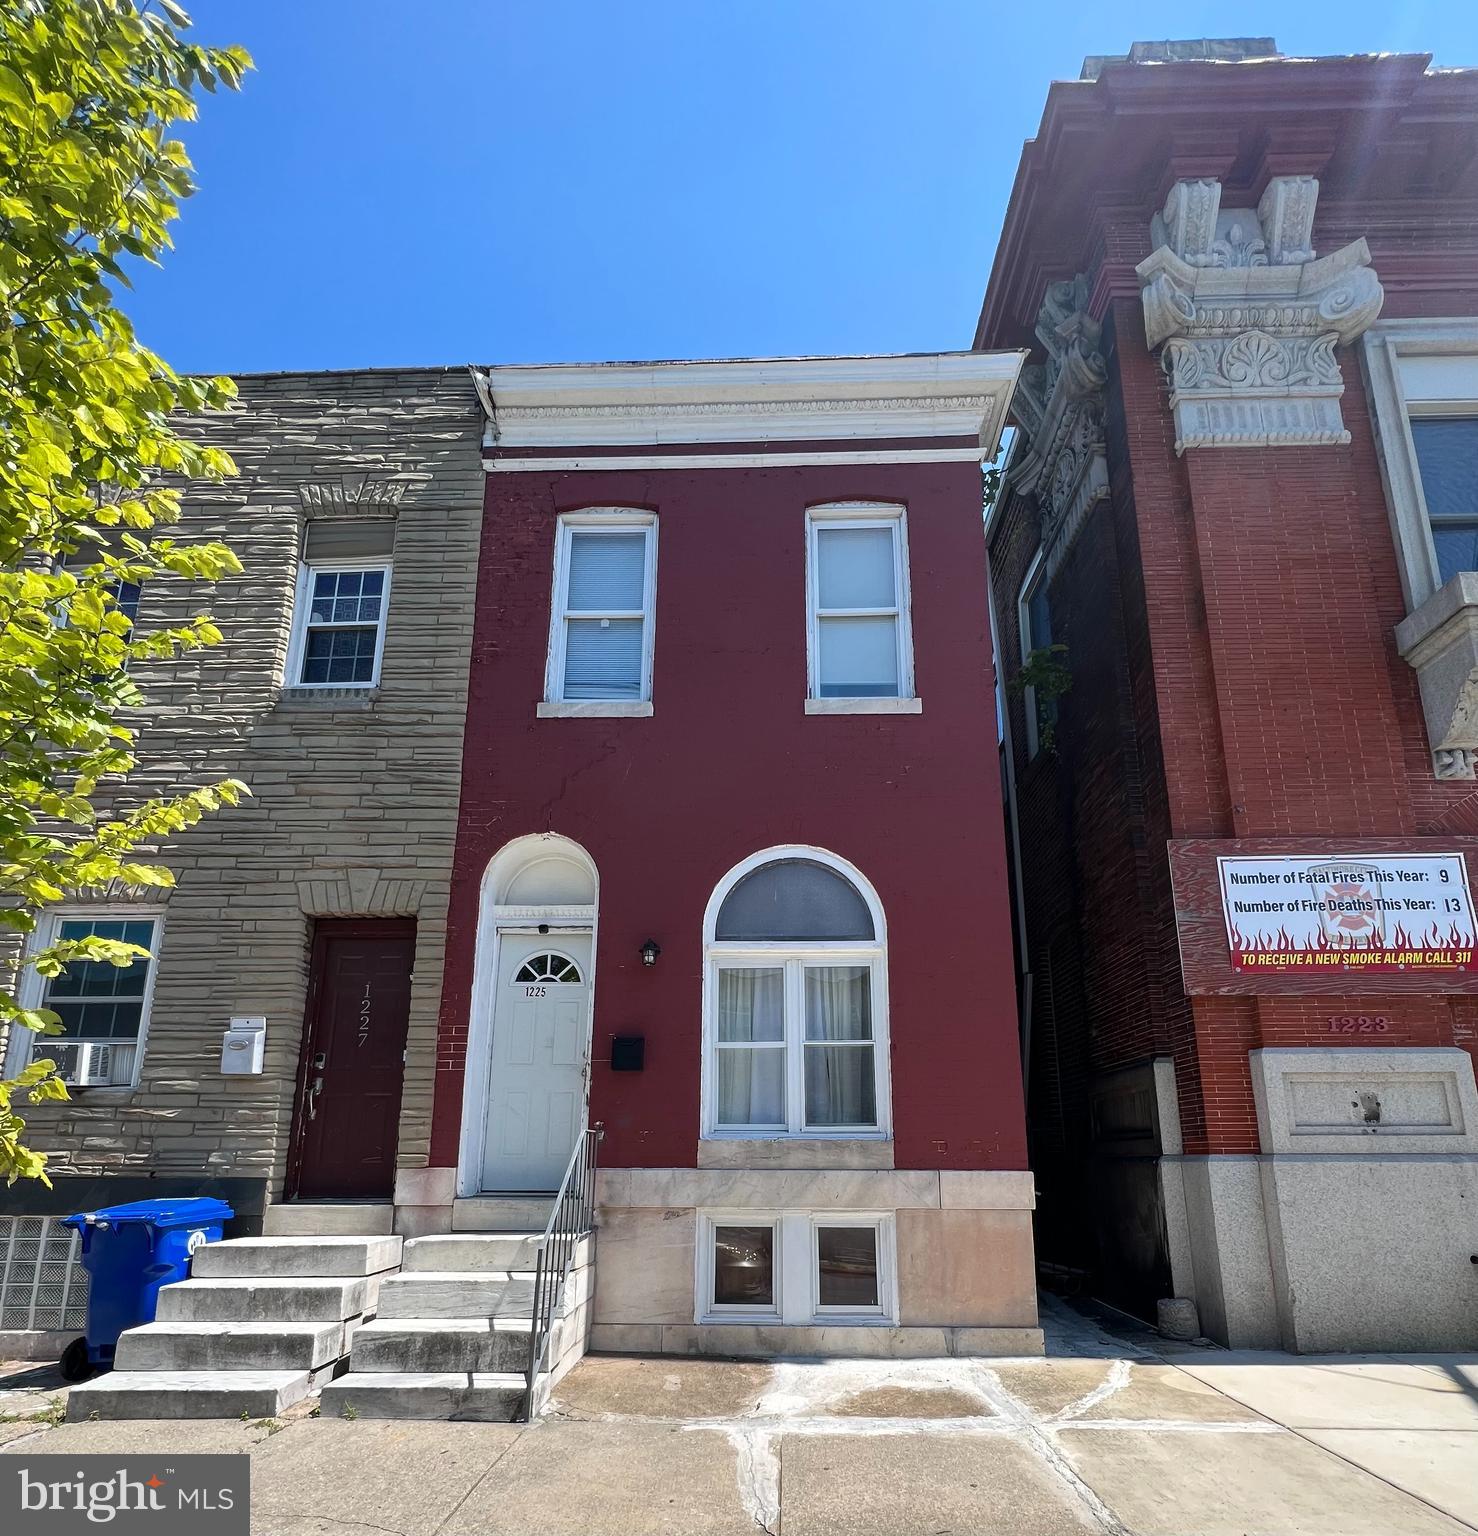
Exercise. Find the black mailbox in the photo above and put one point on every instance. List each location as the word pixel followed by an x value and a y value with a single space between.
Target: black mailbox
pixel 628 1053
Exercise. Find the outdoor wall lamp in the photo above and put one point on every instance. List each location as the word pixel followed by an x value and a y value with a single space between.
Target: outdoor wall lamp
pixel 649 952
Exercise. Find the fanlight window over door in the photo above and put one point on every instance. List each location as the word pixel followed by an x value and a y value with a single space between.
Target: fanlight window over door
pixel 548 968
pixel 797 1007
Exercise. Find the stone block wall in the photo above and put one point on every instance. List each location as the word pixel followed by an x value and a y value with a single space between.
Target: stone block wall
pixel 354 794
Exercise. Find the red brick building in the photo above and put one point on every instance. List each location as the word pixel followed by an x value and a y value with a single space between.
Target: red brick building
pixel 731 856
pixel 1244 499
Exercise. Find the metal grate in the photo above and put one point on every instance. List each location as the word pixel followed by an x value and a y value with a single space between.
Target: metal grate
pixel 42 1281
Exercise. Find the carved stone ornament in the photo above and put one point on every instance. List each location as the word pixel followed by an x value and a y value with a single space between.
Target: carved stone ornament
pixel 1249 317
pixel 1058 406
pixel 1454 763
pixel 1441 641
pixel 350 493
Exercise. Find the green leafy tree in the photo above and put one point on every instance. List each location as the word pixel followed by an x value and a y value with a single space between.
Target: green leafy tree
pixel 92 455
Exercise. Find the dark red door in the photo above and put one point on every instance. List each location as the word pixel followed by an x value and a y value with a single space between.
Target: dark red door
pixel 348 1110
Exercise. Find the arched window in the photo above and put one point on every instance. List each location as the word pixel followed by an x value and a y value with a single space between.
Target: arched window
pixel 796 1000
pixel 556 968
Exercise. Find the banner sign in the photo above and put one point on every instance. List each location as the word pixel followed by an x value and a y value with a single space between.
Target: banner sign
pixel 1348 912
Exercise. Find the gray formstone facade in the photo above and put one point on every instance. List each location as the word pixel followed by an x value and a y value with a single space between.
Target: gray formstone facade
pixel 354 794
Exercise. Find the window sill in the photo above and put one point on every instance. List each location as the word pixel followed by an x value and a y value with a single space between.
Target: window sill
pixel 328 698
pixel 100 1093
pixel 810 1153
pixel 774 1320
pixel 594 709
pixel 864 706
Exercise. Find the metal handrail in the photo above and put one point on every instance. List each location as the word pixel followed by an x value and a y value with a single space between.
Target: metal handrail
pixel 569 1221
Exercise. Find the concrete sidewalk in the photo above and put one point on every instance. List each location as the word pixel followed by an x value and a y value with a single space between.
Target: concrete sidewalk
pixel 1106 1435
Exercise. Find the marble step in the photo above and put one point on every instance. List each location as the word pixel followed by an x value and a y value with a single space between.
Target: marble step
pixel 187 1395
pixel 439 1294
pixel 267 1301
pixel 487 1397
pixel 502 1213
pixel 421 1345
pixel 465 1252
pixel 327 1218
pixel 197 1346
pixel 318 1257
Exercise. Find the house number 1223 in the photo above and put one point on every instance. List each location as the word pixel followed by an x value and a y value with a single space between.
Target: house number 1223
pixel 1358 1024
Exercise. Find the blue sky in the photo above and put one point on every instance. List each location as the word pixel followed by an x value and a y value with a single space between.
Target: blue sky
pixel 442 181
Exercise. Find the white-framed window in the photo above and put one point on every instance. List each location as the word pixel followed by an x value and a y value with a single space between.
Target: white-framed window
pixel 338 636
pixel 602 627
pixel 795 1001
pixel 1034 622
pixel 741 1277
pixel 104 1008
pixel 1422 378
pixel 1446 449
pixel 796 1267
pixel 859 625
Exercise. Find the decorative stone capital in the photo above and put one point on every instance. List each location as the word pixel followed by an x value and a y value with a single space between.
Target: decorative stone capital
pixel 1249 318
pixel 1059 407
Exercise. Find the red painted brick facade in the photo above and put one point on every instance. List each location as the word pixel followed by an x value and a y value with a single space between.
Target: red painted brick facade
pixel 730 764
pixel 1228 613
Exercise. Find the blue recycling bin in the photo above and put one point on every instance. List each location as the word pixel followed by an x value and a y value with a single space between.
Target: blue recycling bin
pixel 129 1251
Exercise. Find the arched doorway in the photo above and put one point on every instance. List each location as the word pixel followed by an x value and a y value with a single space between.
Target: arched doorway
pixel 528 1048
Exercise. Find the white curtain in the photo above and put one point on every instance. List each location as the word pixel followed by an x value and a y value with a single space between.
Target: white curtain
pixel 751 1046
pixel 840 1086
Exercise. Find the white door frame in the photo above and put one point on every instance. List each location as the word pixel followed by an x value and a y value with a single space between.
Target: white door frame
pixel 492 923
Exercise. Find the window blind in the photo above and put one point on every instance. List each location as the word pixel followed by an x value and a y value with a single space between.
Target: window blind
pixel 328 539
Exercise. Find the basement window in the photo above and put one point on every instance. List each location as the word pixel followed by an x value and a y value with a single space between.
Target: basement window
pixel 799 1268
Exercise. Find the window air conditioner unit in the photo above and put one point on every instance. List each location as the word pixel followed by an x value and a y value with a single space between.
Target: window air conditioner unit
pixel 81 1063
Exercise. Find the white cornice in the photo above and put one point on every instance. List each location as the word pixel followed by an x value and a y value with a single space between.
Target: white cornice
pixel 771 400
pixel 560 463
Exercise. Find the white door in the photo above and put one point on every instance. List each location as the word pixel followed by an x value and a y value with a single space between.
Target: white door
pixel 541 1048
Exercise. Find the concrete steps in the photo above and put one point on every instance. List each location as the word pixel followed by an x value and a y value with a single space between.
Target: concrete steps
pixel 451 1338
pixel 419 1345
pixel 475 1293
pixel 253 1299
pixel 260 1324
pixel 188 1394
pixel 284 1257
pixel 465 1252
pixel 324 1218
pixel 487 1398
pixel 193 1346
pixel 502 1213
